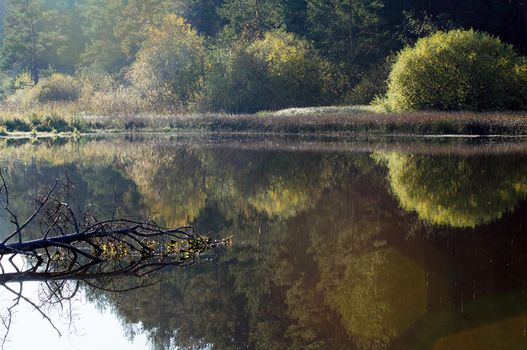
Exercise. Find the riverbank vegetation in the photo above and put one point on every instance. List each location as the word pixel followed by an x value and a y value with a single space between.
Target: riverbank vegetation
pixel 331 120
pixel 65 64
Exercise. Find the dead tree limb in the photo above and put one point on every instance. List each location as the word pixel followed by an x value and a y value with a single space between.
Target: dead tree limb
pixel 73 248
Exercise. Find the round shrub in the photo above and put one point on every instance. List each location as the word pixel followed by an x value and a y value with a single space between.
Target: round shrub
pixel 237 81
pixel 458 70
pixel 274 72
pixel 55 88
pixel 298 74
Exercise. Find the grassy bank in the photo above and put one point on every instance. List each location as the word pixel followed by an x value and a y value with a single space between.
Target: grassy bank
pixel 331 121
pixel 56 118
pixel 352 119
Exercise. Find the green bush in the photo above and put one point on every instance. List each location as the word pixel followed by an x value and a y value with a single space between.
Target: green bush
pixel 50 123
pixel 169 67
pixel 235 81
pixel 22 81
pixel 10 84
pixel 372 85
pixel 16 124
pixel 55 88
pixel 275 72
pixel 458 70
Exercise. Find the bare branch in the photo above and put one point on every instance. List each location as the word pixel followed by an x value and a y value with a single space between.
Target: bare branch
pixel 74 249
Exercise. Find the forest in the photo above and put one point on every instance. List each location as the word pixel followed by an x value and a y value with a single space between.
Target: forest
pixel 240 56
pixel 264 174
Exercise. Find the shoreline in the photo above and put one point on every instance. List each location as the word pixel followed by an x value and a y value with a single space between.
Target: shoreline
pixel 350 135
pixel 466 146
pixel 302 122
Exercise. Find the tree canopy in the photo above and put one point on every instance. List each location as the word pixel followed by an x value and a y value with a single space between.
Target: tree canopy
pixel 458 70
pixel 355 37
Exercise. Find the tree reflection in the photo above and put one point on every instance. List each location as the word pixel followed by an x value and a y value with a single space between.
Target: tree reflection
pixel 381 295
pixel 454 190
pixel 323 257
pixel 273 291
pixel 358 279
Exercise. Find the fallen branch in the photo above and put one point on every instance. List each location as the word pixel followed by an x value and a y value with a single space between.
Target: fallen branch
pixel 75 248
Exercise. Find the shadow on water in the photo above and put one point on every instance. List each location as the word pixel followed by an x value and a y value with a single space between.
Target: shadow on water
pixel 366 244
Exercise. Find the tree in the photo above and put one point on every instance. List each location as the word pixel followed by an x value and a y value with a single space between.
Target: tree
pixel 352 33
pixel 201 14
pixel 503 18
pixel 103 50
pixel 22 46
pixel 276 71
pixel 169 67
pixel 252 18
pixel 296 17
pixel 134 19
pixel 39 35
pixel 458 70
pixel 62 36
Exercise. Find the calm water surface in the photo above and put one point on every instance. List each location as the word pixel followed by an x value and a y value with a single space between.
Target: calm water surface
pixel 356 245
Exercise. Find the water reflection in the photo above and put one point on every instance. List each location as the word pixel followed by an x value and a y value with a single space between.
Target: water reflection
pixel 457 191
pixel 332 250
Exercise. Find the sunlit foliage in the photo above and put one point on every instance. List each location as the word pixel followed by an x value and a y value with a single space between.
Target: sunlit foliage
pixel 55 88
pixel 296 69
pixel 347 43
pixel 113 31
pixel 169 65
pixel 278 71
pixel 173 185
pixel 458 70
pixel 279 200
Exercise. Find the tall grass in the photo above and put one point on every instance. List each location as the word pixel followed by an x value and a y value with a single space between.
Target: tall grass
pixel 99 109
pixel 422 123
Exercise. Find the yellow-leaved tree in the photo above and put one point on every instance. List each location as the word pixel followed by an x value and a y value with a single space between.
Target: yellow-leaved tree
pixel 276 71
pixel 169 67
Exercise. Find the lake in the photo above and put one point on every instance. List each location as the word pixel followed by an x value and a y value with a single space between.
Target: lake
pixel 368 243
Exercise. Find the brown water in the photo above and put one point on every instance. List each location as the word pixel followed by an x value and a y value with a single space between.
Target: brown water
pixel 364 244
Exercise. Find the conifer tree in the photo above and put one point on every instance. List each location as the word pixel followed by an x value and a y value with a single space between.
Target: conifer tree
pixel 252 18
pixel 22 48
pixel 2 15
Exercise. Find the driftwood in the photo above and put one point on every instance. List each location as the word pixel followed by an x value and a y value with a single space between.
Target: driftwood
pixel 73 248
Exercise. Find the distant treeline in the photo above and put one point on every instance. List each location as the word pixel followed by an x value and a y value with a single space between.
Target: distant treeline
pixel 348 40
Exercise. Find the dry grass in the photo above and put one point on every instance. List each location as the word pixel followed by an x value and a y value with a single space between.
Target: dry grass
pixel 114 114
pixel 322 110
pixel 425 123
